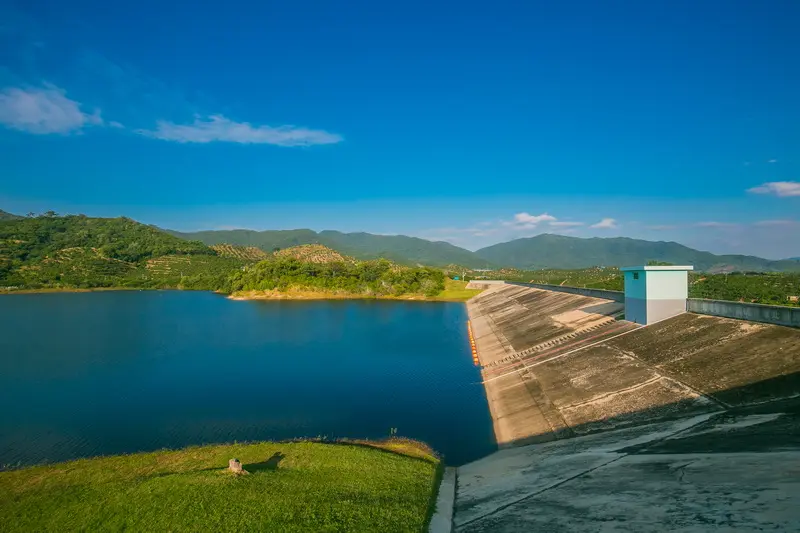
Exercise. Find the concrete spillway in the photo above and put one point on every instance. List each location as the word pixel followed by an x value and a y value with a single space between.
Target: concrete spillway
pixel 690 423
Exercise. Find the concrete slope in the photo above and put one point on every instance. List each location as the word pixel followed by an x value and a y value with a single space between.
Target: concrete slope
pixel 513 324
pixel 711 472
pixel 558 365
pixel 689 424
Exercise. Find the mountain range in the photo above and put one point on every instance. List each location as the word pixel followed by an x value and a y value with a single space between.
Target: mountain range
pixel 533 253
pixel 398 248
pixel 559 251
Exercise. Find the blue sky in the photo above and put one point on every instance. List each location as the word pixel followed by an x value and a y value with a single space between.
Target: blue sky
pixel 470 122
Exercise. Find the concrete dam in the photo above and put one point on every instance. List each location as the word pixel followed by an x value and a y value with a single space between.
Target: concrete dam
pixel 686 423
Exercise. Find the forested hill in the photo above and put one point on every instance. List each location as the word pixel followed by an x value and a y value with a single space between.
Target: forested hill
pixel 398 248
pixel 54 253
pixel 8 216
pixel 558 251
pixel 51 251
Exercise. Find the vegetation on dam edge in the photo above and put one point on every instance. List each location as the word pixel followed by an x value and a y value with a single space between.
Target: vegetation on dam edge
pixel 290 486
pixel 454 291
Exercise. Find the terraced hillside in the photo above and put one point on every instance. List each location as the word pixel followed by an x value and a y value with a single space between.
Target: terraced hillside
pixel 173 269
pixel 314 253
pixel 245 253
pixel 54 252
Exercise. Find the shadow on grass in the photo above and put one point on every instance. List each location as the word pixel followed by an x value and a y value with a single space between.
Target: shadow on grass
pixel 270 464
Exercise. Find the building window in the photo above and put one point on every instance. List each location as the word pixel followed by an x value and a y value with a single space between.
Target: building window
pixel 635 275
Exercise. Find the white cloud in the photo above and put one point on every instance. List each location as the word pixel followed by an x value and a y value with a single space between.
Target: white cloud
pixel 115 124
pixel 606 223
pixel 526 221
pixel 772 161
pixel 565 224
pixel 525 218
pixel 219 128
pixel 778 188
pixel 43 110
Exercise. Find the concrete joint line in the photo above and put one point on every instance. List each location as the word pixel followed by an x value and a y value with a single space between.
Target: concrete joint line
pixel 615 393
pixel 708 397
pixel 566 353
pixel 540 491
pixel 587 471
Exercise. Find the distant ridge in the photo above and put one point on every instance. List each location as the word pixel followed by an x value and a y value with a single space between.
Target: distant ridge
pixel 559 251
pixel 4 215
pixel 534 253
pixel 398 248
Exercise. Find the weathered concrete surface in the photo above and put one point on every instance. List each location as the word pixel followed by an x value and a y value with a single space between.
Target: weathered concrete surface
pixel 557 365
pixel 734 362
pixel 689 424
pixel 442 519
pixel 771 314
pixel 712 472
pixel 540 383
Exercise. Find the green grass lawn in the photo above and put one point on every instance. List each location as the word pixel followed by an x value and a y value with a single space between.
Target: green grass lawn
pixel 456 291
pixel 299 486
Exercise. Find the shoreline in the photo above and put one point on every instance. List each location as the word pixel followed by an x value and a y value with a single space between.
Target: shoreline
pixel 51 290
pixel 291 295
pixel 320 295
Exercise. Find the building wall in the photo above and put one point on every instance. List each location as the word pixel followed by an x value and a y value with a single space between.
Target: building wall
pixel 667 284
pixel 636 288
pixel 636 310
pixel 653 295
pixel 658 310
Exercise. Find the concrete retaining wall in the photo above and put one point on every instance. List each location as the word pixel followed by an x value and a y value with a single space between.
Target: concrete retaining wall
pixel 617 296
pixel 771 314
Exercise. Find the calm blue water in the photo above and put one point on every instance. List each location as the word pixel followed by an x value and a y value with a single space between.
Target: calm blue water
pixel 113 372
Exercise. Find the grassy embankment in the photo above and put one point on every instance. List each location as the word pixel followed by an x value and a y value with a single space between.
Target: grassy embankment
pixel 454 291
pixel 298 486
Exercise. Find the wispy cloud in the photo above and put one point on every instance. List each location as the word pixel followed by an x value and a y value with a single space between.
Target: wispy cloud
pixel 714 224
pixel 606 223
pixel 43 110
pixel 565 224
pixel 772 161
pixel 662 227
pixel 778 188
pixel 220 128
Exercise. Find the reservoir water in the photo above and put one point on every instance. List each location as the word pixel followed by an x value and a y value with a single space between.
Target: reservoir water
pixel 87 374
